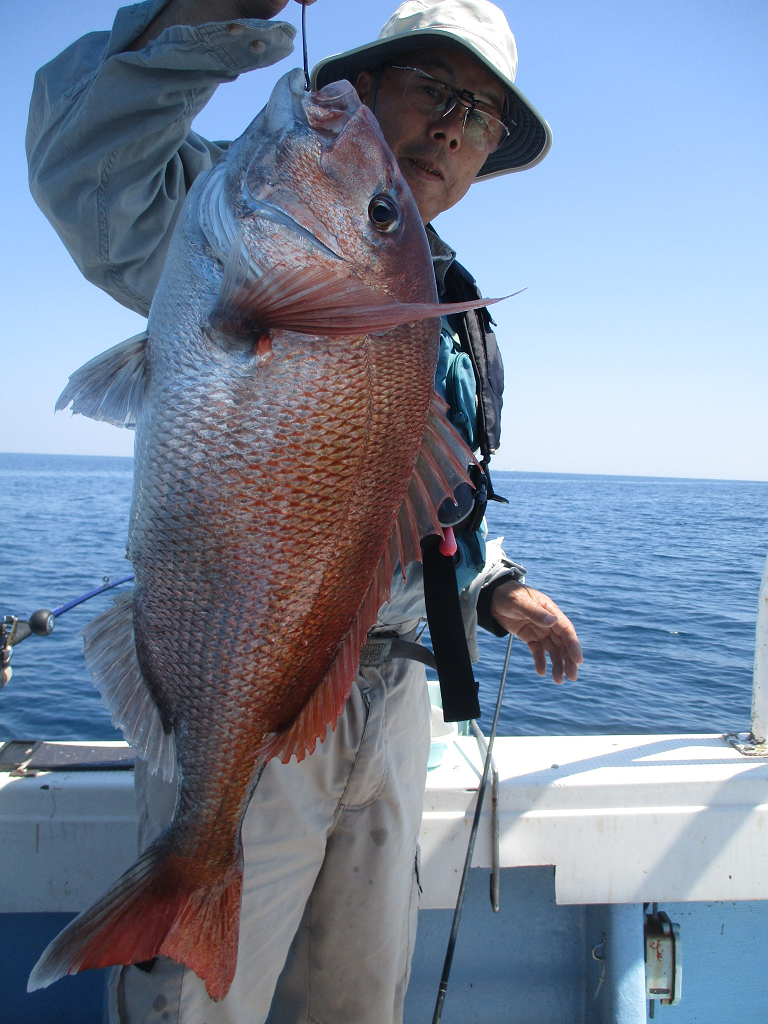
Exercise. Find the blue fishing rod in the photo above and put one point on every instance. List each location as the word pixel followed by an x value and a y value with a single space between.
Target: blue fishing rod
pixel 41 623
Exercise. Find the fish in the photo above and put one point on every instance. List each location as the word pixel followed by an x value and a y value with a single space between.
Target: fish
pixel 290 454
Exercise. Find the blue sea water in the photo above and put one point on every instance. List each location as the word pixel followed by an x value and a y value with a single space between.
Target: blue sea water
pixel 659 576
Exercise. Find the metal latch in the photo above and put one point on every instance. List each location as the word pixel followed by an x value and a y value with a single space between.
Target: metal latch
pixel 376 651
pixel 663 959
pixel 746 744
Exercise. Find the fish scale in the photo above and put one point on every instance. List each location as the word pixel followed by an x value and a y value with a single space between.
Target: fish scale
pixel 319 461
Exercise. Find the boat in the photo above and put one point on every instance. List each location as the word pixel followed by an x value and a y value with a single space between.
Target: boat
pixel 614 878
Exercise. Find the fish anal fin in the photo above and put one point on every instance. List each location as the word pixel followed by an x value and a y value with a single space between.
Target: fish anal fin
pixel 163 905
pixel 110 656
pixel 329 697
pixel 110 386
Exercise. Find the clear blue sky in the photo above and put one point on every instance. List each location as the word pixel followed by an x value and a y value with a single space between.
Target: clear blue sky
pixel 640 344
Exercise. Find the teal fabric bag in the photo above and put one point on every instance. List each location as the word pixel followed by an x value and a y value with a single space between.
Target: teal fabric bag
pixel 455 381
pixel 470 556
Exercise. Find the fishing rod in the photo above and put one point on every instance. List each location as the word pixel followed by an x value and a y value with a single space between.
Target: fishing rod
pixel 441 992
pixel 41 623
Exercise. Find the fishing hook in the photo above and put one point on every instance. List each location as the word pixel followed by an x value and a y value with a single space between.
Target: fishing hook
pixel 304 44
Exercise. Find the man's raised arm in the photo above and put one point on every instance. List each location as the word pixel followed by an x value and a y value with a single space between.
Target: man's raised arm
pixel 111 155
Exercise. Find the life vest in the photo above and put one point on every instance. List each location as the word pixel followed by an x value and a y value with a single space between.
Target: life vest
pixel 475 332
pixel 475 410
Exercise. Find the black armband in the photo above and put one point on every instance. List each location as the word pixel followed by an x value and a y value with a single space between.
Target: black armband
pixel 484 616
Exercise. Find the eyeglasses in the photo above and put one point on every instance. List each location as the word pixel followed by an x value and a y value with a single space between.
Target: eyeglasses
pixel 433 98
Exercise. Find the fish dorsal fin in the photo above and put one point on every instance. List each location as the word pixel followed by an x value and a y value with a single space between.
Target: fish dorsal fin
pixel 440 467
pixel 110 656
pixel 110 386
pixel 313 300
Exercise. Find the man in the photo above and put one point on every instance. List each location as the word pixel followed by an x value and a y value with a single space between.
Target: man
pixel 331 879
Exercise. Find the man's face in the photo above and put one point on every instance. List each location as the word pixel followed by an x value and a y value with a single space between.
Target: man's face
pixel 432 153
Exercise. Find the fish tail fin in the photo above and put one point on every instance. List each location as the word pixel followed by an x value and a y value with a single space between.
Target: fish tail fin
pixel 164 905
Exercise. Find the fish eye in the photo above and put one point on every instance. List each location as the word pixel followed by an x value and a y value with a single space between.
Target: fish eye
pixel 383 213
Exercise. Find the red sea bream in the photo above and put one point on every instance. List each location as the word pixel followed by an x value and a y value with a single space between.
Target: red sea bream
pixel 290 452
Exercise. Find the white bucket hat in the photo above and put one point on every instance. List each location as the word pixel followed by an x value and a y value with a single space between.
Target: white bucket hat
pixel 474 25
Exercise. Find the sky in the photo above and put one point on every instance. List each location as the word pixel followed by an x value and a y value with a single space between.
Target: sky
pixel 639 346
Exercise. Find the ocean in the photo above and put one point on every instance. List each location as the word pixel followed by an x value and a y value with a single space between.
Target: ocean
pixel 660 577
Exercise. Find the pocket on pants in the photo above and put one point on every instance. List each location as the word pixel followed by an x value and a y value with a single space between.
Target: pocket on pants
pixel 369 772
pixel 413 911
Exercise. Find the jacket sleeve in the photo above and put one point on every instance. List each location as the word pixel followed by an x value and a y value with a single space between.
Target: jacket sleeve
pixel 110 150
pixel 473 608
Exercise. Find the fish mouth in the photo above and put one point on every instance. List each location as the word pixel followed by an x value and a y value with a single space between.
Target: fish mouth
pixel 275 214
pixel 427 168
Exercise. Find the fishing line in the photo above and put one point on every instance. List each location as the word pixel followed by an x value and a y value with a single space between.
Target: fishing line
pixel 471 848
pixel 304 44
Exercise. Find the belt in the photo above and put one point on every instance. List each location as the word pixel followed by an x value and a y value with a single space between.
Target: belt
pixel 381 647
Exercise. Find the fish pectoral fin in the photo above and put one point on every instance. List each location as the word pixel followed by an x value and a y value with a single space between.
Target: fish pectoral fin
pixel 313 301
pixel 440 468
pixel 110 386
pixel 110 656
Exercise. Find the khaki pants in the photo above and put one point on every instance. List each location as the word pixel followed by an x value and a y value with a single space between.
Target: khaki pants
pixel 330 889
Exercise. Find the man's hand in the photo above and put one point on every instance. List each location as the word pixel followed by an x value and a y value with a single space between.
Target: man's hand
pixel 201 12
pixel 538 621
pixel 5 658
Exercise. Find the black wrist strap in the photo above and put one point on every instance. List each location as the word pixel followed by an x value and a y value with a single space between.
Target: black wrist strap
pixel 485 618
pixel 458 688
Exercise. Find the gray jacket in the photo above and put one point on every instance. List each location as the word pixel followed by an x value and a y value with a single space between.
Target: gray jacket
pixel 112 156
pixel 109 142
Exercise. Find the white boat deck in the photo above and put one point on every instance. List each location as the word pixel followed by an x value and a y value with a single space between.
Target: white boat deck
pixel 623 819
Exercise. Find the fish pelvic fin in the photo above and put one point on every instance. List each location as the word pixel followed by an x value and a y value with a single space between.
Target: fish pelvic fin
pixel 164 905
pixel 313 301
pixel 110 386
pixel 440 468
pixel 110 656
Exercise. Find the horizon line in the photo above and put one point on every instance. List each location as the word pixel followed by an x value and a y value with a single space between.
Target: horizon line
pixel 518 472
